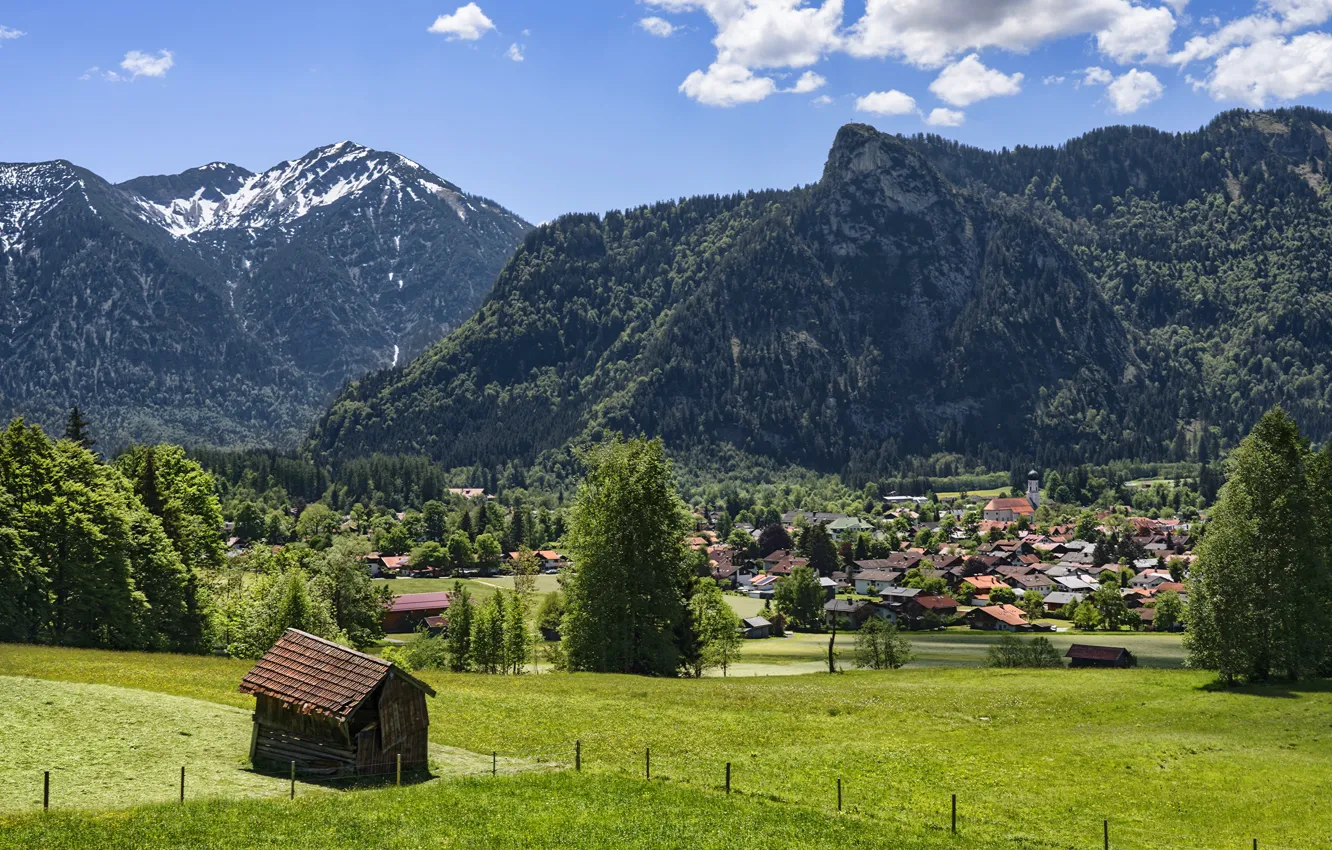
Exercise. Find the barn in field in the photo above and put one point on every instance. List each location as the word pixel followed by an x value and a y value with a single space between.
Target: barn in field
pixel 335 711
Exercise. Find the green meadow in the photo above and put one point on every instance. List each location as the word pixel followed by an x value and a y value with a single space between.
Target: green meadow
pixel 1038 759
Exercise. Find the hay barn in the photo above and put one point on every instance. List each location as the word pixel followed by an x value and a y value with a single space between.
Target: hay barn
pixel 335 711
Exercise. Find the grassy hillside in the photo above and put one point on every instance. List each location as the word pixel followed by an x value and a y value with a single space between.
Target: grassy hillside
pixel 545 811
pixel 1037 759
pixel 104 745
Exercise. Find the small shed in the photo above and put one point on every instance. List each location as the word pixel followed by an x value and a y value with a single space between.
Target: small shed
pixel 335 711
pixel 1085 655
pixel 756 627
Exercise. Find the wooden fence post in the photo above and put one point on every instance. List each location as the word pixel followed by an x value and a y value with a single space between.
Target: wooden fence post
pixel 494 763
pixel 293 780
pixel 954 814
pixel 647 762
pixel 839 793
pixel 182 783
pixel 1106 827
pixel 728 777
pixel 399 776
pixel 46 790
pixel 578 755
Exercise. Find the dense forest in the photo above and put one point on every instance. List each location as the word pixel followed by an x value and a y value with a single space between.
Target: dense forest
pixel 925 310
pixel 846 328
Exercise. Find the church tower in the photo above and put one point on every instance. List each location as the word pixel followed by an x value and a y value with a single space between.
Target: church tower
pixel 1034 488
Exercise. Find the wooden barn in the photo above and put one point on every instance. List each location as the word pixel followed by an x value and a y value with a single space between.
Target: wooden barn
pixel 1083 655
pixel 335 711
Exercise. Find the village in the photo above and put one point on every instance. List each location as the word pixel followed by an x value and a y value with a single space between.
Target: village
pixel 984 565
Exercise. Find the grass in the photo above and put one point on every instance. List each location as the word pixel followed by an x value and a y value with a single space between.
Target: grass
pixel 743 606
pixel 480 589
pixel 808 653
pixel 106 745
pixel 991 493
pixel 1037 759
pixel 546 811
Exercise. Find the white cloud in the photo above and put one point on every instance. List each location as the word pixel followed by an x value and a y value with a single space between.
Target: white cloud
pixel 727 85
pixel 929 33
pixel 822 100
pixel 1096 76
pixel 660 27
pixel 1053 80
pixel 808 82
pixel 968 81
pixel 1273 69
pixel 468 23
pixel 767 33
pixel 139 64
pixel 515 53
pixel 1276 18
pixel 941 117
pixel 9 33
pixel 1138 34
pixel 1133 90
pixel 891 102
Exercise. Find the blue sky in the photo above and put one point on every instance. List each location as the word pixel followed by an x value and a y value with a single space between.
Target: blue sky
pixel 606 111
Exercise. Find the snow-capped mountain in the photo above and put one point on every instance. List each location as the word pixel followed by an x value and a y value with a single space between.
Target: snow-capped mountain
pixel 225 197
pixel 320 269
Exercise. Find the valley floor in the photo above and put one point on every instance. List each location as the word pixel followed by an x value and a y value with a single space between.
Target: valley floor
pixel 1038 759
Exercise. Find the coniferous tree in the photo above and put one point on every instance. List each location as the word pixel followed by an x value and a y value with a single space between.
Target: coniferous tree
pixel 517 635
pixel 461 614
pixel 77 430
pixel 817 545
pixel 487 650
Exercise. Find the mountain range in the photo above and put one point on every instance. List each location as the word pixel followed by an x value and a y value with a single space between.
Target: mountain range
pixel 224 307
pixel 1129 294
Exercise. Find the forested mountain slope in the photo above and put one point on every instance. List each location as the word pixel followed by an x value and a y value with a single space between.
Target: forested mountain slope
pixel 878 313
pixel 221 306
pixel 1214 248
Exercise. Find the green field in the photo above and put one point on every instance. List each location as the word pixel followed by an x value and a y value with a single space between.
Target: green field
pixel 991 493
pixel 479 588
pixel 955 647
pixel 1037 758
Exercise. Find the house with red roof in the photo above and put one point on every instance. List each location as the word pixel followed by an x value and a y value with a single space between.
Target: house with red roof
pixel 999 618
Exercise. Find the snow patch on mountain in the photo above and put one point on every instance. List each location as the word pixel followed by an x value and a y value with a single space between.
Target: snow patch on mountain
pixel 284 194
pixel 29 192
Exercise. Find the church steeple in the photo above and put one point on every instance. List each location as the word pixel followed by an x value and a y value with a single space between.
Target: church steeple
pixel 1034 488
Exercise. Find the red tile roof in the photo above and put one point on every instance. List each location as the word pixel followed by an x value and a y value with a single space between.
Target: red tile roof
pixel 1018 505
pixel 318 676
pixel 420 601
pixel 1010 614
pixel 935 602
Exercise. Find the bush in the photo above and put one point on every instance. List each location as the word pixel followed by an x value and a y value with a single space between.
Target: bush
pixel 1012 651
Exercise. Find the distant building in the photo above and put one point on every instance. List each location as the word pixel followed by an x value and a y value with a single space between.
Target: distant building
pixel 1007 510
pixel 407 611
pixel 1085 655
pixel 756 627
pixel 1034 488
